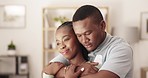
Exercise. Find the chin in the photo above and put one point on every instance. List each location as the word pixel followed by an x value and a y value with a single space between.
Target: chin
pixel 90 49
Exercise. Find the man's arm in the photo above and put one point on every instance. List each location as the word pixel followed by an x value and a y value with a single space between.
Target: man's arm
pixel 52 69
pixel 49 71
pixel 118 64
pixel 102 74
pixel 60 58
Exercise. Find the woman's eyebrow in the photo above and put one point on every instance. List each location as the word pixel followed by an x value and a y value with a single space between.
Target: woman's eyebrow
pixel 65 36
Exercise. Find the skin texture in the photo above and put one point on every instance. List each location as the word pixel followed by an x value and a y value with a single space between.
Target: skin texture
pixel 102 74
pixel 69 47
pixel 89 34
pixel 49 68
pixel 89 27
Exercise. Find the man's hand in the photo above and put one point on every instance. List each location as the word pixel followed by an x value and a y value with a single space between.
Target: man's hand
pixel 71 73
pixel 93 63
pixel 53 68
pixel 89 68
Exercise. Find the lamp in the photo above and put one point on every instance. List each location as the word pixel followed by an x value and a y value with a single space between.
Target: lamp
pixel 130 34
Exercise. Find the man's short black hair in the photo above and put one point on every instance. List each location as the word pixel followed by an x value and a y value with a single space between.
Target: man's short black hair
pixel 88 11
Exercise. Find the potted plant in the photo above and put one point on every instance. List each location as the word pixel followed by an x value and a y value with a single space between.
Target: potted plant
pixel 11 49
pixel 59 20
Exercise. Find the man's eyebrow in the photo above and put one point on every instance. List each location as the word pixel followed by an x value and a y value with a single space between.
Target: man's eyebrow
pixel 88 31
pixel 84 32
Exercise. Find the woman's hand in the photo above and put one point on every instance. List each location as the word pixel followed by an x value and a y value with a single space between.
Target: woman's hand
pixel 53 68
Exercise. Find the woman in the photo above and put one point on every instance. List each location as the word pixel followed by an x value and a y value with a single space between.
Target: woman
pixel 69 46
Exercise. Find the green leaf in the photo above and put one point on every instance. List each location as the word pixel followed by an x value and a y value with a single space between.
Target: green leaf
pixel 11 46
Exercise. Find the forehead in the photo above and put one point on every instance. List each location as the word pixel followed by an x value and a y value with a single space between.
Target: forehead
pixel 64 31
pixel 83 26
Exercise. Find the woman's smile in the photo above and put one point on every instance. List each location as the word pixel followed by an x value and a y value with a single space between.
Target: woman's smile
pixel 65 52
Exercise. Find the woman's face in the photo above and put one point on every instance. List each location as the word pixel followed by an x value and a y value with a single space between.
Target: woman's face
pixel 67 42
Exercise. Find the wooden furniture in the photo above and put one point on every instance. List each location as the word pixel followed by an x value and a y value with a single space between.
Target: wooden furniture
pixel 144 72
pixel 14 66
pixel 52 18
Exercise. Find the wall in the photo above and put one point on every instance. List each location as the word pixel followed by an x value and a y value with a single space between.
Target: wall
pixel 29 39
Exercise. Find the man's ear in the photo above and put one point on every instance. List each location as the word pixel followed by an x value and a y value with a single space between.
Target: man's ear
pixel 103 25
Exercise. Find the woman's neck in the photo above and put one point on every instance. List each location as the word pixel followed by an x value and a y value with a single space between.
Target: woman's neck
pixel 78 59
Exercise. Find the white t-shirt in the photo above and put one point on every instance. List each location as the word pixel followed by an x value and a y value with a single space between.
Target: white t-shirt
pixel 113 54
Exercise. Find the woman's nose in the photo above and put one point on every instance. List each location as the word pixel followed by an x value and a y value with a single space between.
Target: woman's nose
pixel 62 46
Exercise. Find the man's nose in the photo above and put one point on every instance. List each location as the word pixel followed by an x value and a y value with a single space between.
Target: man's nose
pixel 85 39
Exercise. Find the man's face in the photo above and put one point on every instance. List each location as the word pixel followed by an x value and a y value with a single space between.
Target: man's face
pixel 89 34
pixel 67 42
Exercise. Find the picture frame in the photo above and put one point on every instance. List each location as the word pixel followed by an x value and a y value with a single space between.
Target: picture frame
pixel 144 25
pixel 12 16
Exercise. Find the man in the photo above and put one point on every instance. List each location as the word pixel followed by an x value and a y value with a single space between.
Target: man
pixel 113 54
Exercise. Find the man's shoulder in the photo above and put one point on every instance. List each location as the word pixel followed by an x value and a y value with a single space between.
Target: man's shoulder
pixel 117 41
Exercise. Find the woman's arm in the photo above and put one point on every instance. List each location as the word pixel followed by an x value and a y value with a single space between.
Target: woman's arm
pixel 60 73
pixel 52 68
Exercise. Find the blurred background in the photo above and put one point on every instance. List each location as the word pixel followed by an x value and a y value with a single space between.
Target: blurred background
pixel 124 20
